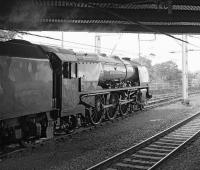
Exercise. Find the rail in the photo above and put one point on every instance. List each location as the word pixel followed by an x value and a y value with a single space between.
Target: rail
pixel 153 151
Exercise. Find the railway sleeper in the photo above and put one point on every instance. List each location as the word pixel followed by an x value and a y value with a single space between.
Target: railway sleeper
pixel 146 157
pixel 151 153
pixel 171 138
pixel 175 135
pixel 173 141
pixel 138 162
pixel 161 143
pixel 161 150
pixel 125 165
pixel 184 134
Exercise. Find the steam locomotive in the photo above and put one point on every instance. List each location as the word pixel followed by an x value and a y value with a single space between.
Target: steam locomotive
pixel 47 90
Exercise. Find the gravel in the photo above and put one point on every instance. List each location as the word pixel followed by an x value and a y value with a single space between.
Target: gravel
pixel 85 149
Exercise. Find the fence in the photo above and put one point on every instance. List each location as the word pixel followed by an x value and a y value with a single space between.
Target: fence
pixel 173 86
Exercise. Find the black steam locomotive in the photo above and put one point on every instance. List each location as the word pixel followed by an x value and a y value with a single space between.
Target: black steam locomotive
pixel 46 90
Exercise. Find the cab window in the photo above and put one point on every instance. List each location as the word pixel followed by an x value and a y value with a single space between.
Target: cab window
pixel 69 70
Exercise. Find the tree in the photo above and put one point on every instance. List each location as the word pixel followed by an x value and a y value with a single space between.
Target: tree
pixel 167 71
pixel 144 61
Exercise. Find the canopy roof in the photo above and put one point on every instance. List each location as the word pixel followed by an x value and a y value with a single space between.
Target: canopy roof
pixel 172 16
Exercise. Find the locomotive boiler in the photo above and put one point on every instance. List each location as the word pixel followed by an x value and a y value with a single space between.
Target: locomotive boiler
pixel 46 90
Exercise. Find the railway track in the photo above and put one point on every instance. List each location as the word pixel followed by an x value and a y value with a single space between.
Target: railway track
pixel 167 98
pixel 13 151
pixel 150 153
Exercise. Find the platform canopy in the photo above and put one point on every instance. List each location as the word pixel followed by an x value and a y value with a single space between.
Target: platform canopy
pixel 172 16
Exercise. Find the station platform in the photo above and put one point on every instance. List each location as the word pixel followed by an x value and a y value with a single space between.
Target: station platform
pixel 83 150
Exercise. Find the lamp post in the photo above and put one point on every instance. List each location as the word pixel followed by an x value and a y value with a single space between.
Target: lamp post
pixel 139 53
pixel 98 43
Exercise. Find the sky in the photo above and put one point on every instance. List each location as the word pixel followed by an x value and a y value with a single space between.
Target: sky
pixel 158 48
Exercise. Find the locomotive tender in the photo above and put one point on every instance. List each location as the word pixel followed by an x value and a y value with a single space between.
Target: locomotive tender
pixel 45 90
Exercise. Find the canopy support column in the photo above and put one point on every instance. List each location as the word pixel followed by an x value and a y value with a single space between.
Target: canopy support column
pixel 185 70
